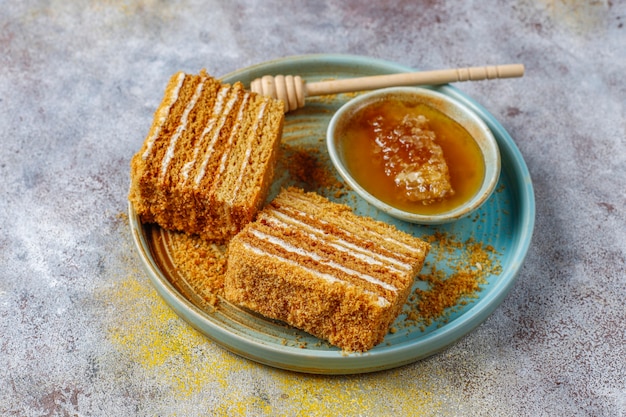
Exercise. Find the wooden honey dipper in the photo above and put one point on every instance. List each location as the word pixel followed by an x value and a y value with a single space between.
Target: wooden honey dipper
pixel 293 90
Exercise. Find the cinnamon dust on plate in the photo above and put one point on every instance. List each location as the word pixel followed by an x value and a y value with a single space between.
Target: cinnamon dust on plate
pixel 453 279
pixel 202 264
pixel 308 168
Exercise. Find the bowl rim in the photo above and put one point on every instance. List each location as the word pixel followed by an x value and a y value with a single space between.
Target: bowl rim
pixel 492 166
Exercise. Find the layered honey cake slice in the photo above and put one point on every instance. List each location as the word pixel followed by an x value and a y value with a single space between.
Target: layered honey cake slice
pixel 208 160
pixel 317 266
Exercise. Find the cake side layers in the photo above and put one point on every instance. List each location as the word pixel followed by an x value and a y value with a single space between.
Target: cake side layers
pixel 310 246
pixel 180 174
pixel 298 265
pixel 246 176
pixel 145 164
pixel 318 303
pixel 263 158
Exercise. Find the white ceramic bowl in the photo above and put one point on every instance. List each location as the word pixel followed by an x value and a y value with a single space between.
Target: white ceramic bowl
pixel 445 104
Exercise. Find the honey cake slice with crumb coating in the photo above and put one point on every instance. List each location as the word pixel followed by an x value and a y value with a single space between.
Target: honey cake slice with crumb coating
pixel 317 266
pixel 207 163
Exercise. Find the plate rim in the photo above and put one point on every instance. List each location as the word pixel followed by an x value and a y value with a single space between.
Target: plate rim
pixel 335 361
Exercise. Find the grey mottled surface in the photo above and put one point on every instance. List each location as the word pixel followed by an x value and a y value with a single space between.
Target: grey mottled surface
pixel 83 333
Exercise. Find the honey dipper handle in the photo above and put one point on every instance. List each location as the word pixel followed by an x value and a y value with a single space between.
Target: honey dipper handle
pixel 414 78
pixel 292 90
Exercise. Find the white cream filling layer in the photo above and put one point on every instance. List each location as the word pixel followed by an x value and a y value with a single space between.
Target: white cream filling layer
pixel 217 108
pixel 245 163
pixel 383 237
pixel 381 301
pixel 282 220
pixel 169 153
pixel 233 134
pixel 223 116
pixel 162 115
pixel 317 258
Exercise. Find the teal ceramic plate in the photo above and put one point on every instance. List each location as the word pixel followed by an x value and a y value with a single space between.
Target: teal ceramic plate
pixel 504 225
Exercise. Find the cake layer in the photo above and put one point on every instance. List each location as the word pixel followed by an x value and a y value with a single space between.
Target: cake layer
pixel 317 266
pixel 209 157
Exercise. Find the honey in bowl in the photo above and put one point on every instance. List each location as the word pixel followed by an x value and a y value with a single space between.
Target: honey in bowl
pixel 412 156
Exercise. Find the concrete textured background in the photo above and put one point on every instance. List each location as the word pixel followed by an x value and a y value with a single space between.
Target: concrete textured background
pixel 82 332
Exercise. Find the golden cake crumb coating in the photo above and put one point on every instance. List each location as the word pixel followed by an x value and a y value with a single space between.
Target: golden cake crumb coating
pixel 317 266
pixel 208 160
